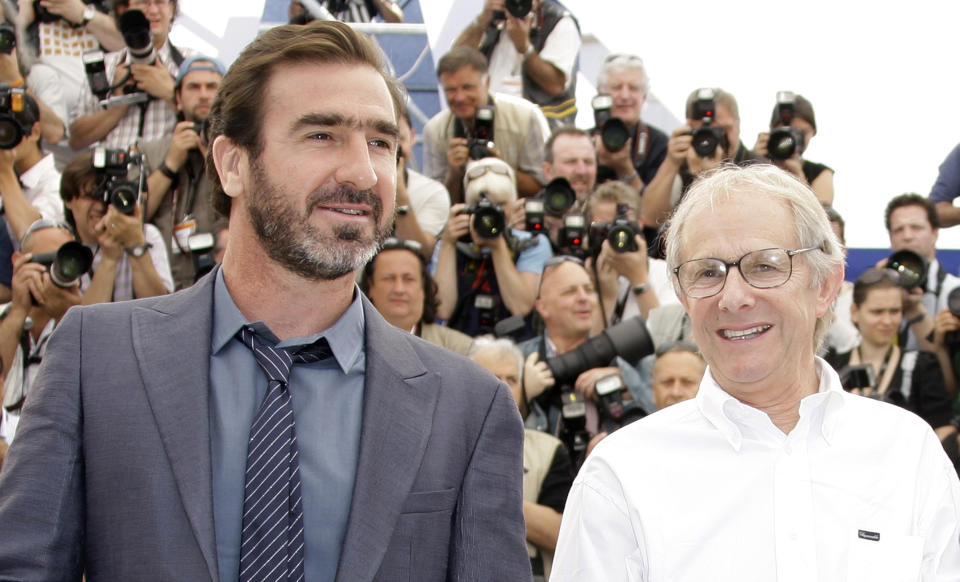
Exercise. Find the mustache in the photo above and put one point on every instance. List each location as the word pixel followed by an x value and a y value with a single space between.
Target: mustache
pixel 346 194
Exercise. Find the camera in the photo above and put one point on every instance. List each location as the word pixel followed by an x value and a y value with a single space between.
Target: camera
pixel 620 232
pixel 628 339
pixel 13 102
pixel 558 197
pixel 911 267
pixel 135 29
pixel 953 304
pixel 112 166
pixel 201 246
pixel 516 8
pixel 570 237
pixel 708 138
pixel 534 215
pixel 96 73
pixel 488 218
pixel 864 377
pixel 67 264
pixel 614 133
pixel 480 141
pixel 784 140
pixel 614 411
pixel 8 38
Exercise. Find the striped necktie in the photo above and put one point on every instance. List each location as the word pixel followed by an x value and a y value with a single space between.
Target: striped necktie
pixel 271 543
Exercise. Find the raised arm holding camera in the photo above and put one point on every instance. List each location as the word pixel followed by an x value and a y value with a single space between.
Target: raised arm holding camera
pixel 486 271
pixel 130 258
pixel 40 298
pixel 129 94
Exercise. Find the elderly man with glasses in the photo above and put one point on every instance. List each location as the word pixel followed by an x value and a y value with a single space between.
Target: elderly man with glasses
pixel 772 472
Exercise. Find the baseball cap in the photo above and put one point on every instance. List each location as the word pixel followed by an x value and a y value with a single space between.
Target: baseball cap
pixel 199 63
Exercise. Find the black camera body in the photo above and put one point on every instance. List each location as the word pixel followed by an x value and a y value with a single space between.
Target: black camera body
pixel 614 133
pixel 113 165
pixel 784 140
pixel 12 130
pixel 135 29
pixel 67 264
pixel 489 220
pixel 480 141
pixel 615 411
pixel 628 339
pixel 708 138
pixel 620 233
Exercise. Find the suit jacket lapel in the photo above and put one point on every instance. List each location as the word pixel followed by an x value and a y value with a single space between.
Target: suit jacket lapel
pixel 400 396
pixel 172 345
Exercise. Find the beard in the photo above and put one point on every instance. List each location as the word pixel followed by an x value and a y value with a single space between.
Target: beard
pixel 290 239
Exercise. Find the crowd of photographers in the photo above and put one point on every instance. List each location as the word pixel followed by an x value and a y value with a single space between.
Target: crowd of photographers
pixel 525 243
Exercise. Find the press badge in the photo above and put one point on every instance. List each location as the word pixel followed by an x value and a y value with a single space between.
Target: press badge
pixel 182 232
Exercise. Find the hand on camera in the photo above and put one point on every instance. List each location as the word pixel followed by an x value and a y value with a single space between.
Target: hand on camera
pixel 632 264
pixel 29 281
pixel 620 161
pixel 117 231
pixel 184 139
pixel 586 382
pixel 679 144
pixel 69 10
pixel 155 79
pixel 458 153
pixel 537 376
pixel 944 323
pixel 457 225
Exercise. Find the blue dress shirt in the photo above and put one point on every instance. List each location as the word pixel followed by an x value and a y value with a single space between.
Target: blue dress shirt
pixel 327 403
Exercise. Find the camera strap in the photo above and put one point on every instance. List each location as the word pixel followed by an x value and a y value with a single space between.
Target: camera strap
pixel 641 145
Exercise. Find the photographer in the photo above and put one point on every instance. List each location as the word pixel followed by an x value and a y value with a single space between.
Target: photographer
pixel 908 378
pixel 913 225
pixel 399 285
pixel 713 118
pixel 29 181
pixel 630 282
pixel 479 124
pixel 547 473
pixel 122 125
pixel 532 47
pixel 624 79
pixel 486 276
pixel 129 257
pixel 792 126
pixel 179 197
pixel 28 320
pixel 568 307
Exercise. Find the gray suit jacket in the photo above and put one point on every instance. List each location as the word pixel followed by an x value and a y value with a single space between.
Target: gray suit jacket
pixel 110 473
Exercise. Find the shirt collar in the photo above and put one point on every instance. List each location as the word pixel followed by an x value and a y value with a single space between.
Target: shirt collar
pixel 345 336
pixel 36 172
pixel 728 415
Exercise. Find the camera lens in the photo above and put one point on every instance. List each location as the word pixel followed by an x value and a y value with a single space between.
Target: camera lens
pixel 135 29
pixel 622 240
pixel 72 261
pixel 489 222
pixel 614 134
pixel 8 38
pixel 705 142
pixel 782 144
pixel 10 132
pixel 518 8
pixel 559 196
pixel 911 267
pixel 123 196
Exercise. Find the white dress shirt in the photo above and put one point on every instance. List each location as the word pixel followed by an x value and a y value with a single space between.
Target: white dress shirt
pixel 711 489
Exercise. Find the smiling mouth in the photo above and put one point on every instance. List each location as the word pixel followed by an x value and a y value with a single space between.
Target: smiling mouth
pixel 744 334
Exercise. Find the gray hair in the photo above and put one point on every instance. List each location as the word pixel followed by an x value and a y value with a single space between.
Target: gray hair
pixel 811 225
pixel 619 64
pixel 501 345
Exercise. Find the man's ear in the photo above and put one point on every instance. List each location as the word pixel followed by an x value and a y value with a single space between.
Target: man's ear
pixel 232 165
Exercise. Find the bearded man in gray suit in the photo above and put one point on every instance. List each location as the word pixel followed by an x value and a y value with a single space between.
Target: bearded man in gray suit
pixel 137 456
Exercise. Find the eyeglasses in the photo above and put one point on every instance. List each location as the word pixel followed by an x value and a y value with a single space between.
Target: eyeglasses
pixel 477 171
pixel 762 269
pixel 393 243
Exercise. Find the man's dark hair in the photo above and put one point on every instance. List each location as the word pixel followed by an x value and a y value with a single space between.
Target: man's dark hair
pixel 562 130
pixel 913 199
pixel 430 289
pixel 460 57
pixel 78 179
pixel 238 109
